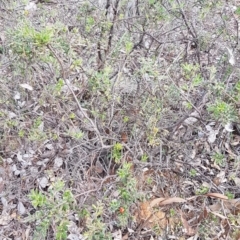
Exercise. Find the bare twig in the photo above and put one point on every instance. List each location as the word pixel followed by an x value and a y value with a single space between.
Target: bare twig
pixel 96 189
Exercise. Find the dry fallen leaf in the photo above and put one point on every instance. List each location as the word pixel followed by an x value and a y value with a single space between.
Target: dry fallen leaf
pixel 1 185
pixel 219 215
pixel 150 217
pixel 192 119
pixel 232 205
pixel 5 219
pixel 43 182
pixel 117 235
pixel 124 137
pixel 217 195
pixel 125 237
pixel 212 135
pixel 26 86
pixel 21 208
pixel 166 201
pixel 188 229
pixel 155 202
pixel 172 200
pixel 215 207
pixel 237 181
pixel 58 162
pixel 99 167
pixel 231 56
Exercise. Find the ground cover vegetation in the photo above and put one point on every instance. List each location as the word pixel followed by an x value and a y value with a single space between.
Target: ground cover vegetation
pixel 119 119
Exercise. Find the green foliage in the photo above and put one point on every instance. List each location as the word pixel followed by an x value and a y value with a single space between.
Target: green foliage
pixel 193 172
pixel 229 195
pixel 237 11
pixel 222 111
pixel 172 212
pixel 117 152
pixel 115 205
pixel 125 119
pixel 100 82
pixel 219 159
pixel 96 228
pixel 128 46
pixel 37 122
pixel 153 131
pixel 191 73
pixel 236 93
pixel 58 86
pixel 21 133
pixel 124 172
pixel 127 193
pixel 51 207
pixel 61 232
pixel 37 198
pixel 77 135
pixel 189 69
pixel 202 190
pixel 89 23
pixel 144 157
pixel 27 41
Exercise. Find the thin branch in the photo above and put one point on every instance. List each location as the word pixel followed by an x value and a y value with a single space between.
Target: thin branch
pixel 75 98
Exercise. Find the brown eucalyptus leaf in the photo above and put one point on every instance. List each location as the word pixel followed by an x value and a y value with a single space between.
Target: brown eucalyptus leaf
pixel 172 200
pixel 155 202
pixel 217 195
